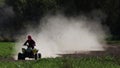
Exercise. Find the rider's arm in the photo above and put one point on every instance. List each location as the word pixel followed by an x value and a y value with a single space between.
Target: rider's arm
pixel 25 43
pixel 34 43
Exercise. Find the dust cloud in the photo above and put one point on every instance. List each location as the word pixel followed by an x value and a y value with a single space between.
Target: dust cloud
pixel 61 35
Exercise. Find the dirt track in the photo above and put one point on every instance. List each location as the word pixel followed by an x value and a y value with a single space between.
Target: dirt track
pixel 112 50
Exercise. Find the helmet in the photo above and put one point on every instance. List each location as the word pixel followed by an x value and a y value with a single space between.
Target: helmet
pixel 29 37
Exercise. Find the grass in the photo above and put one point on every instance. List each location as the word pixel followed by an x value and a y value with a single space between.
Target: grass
pixel 6 49
pixel 88 62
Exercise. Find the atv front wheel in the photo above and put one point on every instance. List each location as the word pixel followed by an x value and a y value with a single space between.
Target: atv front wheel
pixel 21 56
pixel 35 56
pixel 39 55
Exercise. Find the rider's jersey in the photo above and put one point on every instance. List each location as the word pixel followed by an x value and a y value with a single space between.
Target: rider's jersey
pixel 31 43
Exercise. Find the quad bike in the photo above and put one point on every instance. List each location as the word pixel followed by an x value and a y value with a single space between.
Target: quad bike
pixel 29 53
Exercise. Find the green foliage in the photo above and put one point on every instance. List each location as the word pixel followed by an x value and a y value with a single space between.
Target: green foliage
pixel 25 9
pixel 31 9
pixel 2 2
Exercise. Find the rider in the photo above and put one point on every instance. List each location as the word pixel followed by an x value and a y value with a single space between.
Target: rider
pixel 30 42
